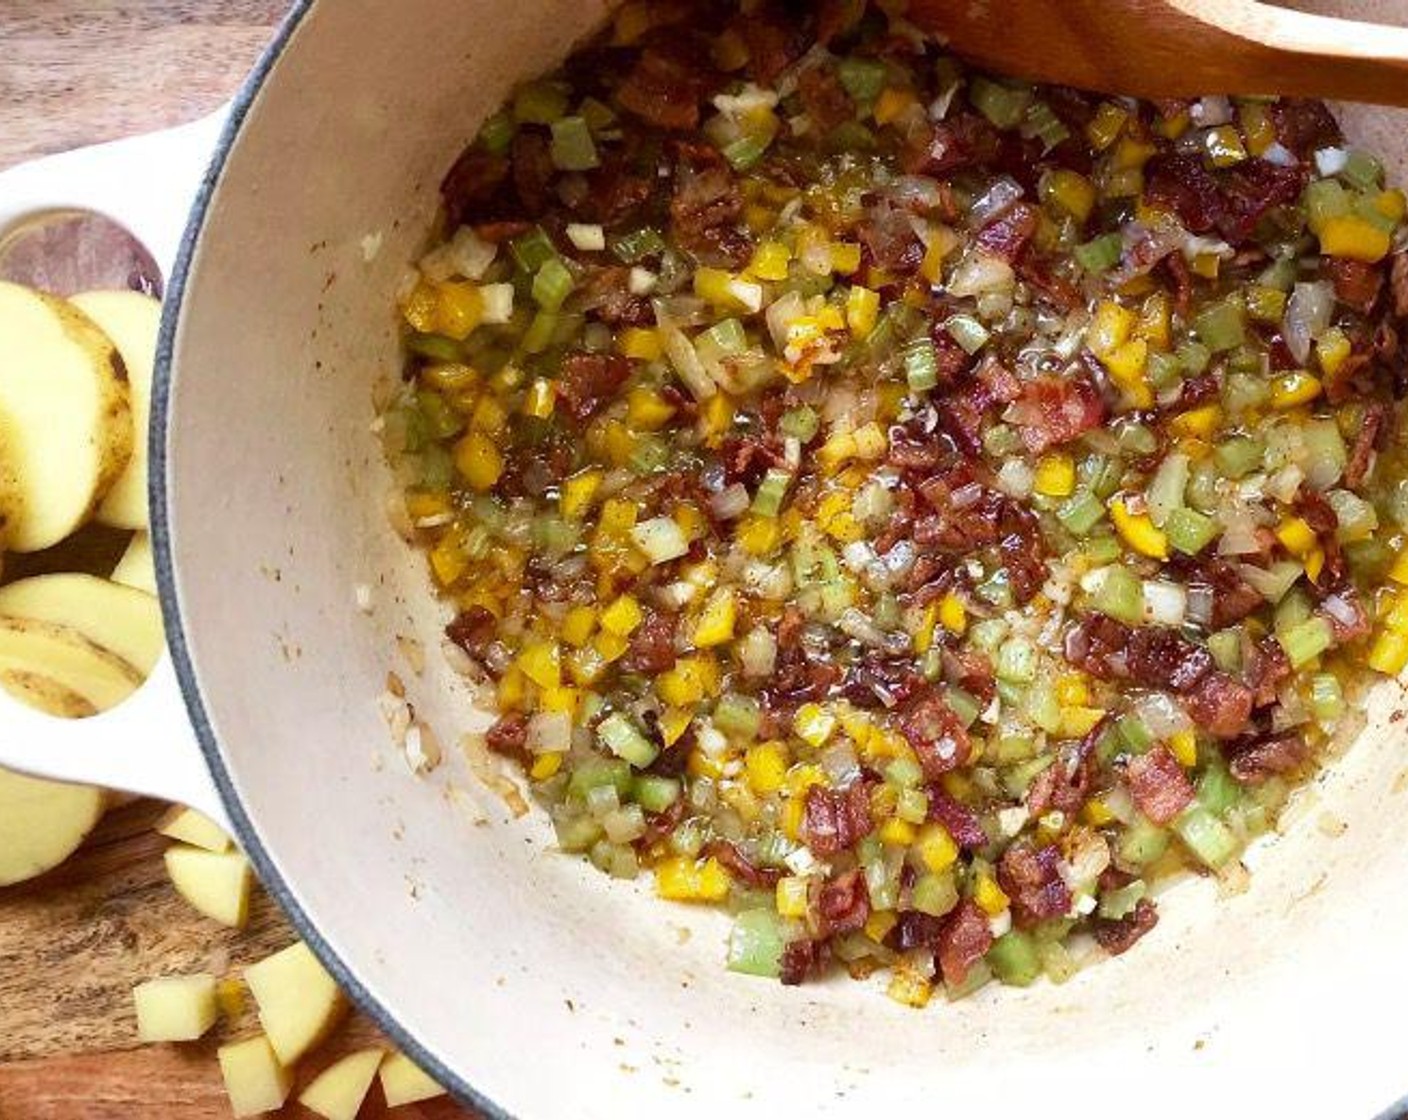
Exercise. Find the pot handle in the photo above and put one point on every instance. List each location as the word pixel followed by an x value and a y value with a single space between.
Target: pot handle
pixel 146 744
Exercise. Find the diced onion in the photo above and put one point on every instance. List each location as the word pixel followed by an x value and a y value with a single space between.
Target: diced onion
pixel 757 654
pixel 1158 712
pixel 995 201
pixel 1331 161
pixel 549 731
pixel 979 273
pixel 731 502
pixel 1015 478
pixel 1280 155
pixel 685 360
pixel 1308 313
pixel 1165 603
pixel 588 238
pixel 661 539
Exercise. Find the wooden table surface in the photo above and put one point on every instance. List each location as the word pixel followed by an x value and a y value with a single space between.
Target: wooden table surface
pixel 73 943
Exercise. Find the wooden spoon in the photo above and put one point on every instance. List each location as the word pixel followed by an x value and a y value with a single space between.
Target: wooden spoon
pixel 1177 48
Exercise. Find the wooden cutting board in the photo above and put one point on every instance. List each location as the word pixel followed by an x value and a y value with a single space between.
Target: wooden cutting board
pixel 74 943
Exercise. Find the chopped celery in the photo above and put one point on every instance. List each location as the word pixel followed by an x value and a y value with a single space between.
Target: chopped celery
pixel 1218 791
pixel 637 245
pixel 577 834
pixel 539 102
pixel 1363 171
pixel 1164 370
pixel 1206 836
pixel 1016 661
pixel 1121 901
pixel 437 468
pixel 1120 594
pixel 650 455
pixel 626 741
pixel 1016 779
pixel 755 944
pixel 996 590
pixel 1194 357
pixel 967 332
pixel 1002 439
pixel 496 134
pixel 1100 255
pixel 1202 487
pixel 572 146
pixel 1226 649
pixel 1081 512
pixel 441 421
pixel 1292 610
pixel 1142 842
pixel 1222 326
pixel 437 347
pixel 552 284
pixel 771 493
pixel 921 365
pixel 1190 531
pixel 1135 438
pixel 748 149
pixel 934 894
pixel 912 805
pixel 1013 959
pixel 978 975
pixel 1165 492
pixel 594 772
pixel 1305 641
pixel 532 250
pixel 1001 103
pixel 738 717
pixel 1135 735
pixel 1325 199
pixel 1101 550
pixel 904 771
pixel 800 423
pixel 863 78
pixel 1045 125
pixel 538 337
pixel 655 794
pixel 1238 456
pixel 1013 748
pixel 963 704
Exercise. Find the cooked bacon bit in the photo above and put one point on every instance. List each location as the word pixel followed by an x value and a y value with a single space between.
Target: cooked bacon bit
pixel 1220 705
pixel 1038 270
pixel 1117 936
pixel 891 243
pixel 802 960
pixel 951 359
pixel 880 682
pixel 664 88
pixel 963 942
pixel 508 736
pixel 971 670
pixel 961 141
pixel 1357 284
pixel 705 212
pixel 533 171
pixel 1158 784
pixel 1233 598
pixel 496 233
pixel 1366 439
pixel 1267 667
pixel 1255 759
pixel 588 379
pixel 741 867
pixel 776 38
pixel 658 826
pixel 471 184
pixel 1398 284
pixel 1197 391
pixel 606 295
pixel 1162 658
pixel 1032 879
pixel 1250 190
pixel 835 819
pixel 473 630
pixel 1304 126
pixel 960 821
pixel 1099 644
pixel 1067 783
pixel 652 644
pixel 1181 280
pixel 936 735
pixel 915 930
pixel 824 98
pixel 1023 552
pixel 1009 236
pixel 746 459
pixel 843 904
pixel 1183 184
pixel 1055 410
pixel 614 192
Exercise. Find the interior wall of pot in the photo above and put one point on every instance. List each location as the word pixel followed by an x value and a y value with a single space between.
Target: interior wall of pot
pixel 544 983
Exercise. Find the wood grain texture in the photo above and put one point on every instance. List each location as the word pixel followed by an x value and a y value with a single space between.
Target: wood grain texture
pixel 73 943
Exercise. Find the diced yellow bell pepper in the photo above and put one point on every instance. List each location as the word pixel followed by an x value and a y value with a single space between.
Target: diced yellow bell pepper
pixel 1128 365
pixel 1332 349
pixel 897 832
pixel 1071 191
pixel 1197 423
pixel 478 459
pixel 935 847
pixel 770 260
pixel 1289 390
pixel 422 308
pixel 546 765
pixel 563 698
pixel 1351 237
pixel 924 633
pixel 511 690
pixel 813 724
pixel 578 491
pixel 1072 690
pixel 1156 321
pixel 765 766
pixel 1296 535
pixel 791 895
pixel 1096 813
pixel 1055 475
pixel 942 241
pixel 541 663
pixel 460 310
pixel 540 399
pixel 717 619
pixel 577 626
pixel 612 647
pixel 871 442
pixel 862 310
pixel 641 343
pixel 845 257
pixel 1137 531
pixel 759 536
pixel 1078 722
pixel 953 614
pixel 1266 304
pixel 1105 127
pixel 1183 745
pixel 618 516
pixel 449 377
pixel 1110 328
pixel 1389 654
pixel 892 104
pixel 489 416
pixel 682 879
pixel 680 686
pixel 674 722
pixel 1131 154
pixel 909 987
pixel 448 560
pixel 1392 204
pixel 990 897
pixel 1399 571
pixel 421 504
pixel 647 410
pixel 1224 146
pixel 1314 563
pixel 622 616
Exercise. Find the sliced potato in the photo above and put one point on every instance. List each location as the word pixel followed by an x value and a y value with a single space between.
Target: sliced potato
pixel 255 1080
pixel 131 320
pixel 46 694
pixel 42 823
pixel 112 615
pixel 175 1008
pixel 66 657
pixel 65 420
pixel 338 1092
pixel 194 828
pixel 215 883
pixel 404 1082
pixel 299 1003
pixel 137 568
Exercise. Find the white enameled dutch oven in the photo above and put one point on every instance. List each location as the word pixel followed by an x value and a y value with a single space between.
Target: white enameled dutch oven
pixel 529 983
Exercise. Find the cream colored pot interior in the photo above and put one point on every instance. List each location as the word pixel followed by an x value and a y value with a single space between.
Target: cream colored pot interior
pixel 547 988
